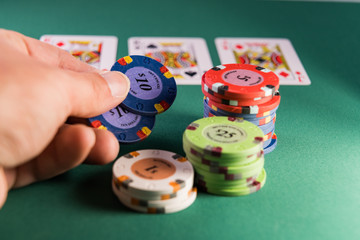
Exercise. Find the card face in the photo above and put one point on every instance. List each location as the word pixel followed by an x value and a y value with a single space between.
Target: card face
pixel 276 54
pixel 186 58
pixel 98 51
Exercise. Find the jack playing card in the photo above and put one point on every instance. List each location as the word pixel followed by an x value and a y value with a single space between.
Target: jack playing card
pixel 98 51
pixel 276 54
pixel 186 58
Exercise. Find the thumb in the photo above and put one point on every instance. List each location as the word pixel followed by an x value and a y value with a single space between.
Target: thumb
pixel 93 93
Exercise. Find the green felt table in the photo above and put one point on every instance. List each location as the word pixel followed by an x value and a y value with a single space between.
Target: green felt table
pixel 312 190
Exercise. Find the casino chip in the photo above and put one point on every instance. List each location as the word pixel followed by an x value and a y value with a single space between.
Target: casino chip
pixel 227 155
pixel 261 121
pixel 225 137
pixel 271 146
pixel 251 186
pixel 152 86
pixel 152 91
pixel 227 146
pixel 154 181
pixel 126 126
pixel 253 109
pixel 236 81
pixel 231 101
pixel 243 91
pixel 157 206
pixel 222 112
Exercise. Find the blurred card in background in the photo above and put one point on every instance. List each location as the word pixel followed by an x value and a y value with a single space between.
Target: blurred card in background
pixel 276 54
pixel 186 58
pixel 97 51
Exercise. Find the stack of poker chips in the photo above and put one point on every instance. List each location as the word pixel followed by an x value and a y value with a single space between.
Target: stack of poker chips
pixel 227 155
pixel 244 91
pixel 152 91
pixel 154 181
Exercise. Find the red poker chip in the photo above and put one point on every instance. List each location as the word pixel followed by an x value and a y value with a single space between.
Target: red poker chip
pixel 252 109
pixel 241 81
pixel 232 102
pixel 237 103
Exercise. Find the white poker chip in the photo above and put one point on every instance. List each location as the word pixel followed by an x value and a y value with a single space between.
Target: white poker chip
pixel 171 208
pixel 178 200
pixel 153 172
pixel 140 195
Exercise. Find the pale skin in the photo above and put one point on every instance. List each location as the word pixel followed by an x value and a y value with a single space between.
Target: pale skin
pixel 41 88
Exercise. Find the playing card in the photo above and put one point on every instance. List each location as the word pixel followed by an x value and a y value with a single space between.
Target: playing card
pixel 186 58
pixel 98 51
pixel 276 54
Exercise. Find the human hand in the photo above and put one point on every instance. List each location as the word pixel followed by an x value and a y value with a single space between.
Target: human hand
pixel 41 86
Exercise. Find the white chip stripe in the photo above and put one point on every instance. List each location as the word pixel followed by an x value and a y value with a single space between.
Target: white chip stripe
pixel 265 70
pixel 268 91
pixel 233 102
pixel 216 86
pixel 254 109
pixel 206 88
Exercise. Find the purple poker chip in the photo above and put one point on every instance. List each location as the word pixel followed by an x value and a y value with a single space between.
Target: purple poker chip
pixel 152 86
pixel 126 126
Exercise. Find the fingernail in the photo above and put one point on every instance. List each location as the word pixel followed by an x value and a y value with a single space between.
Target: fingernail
pixel 118 83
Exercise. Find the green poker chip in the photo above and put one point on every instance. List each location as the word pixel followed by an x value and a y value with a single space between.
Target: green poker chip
pixel 205 181
pixel 224 137
pixel 216 161
pixel 243 169
pixel 227 155
pixel 227 176
pixel 237 191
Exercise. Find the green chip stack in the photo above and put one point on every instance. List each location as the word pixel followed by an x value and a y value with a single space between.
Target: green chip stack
pixel 227 154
